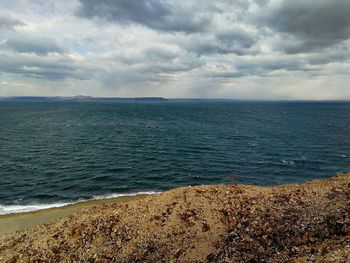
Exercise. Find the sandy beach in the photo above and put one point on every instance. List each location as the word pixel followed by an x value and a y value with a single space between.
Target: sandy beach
pixel 10 223
pixel 307 222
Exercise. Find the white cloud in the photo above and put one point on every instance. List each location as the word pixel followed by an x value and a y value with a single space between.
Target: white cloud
pixel 228 49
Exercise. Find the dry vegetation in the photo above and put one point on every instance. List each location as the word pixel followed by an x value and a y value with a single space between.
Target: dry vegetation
pixel 307 222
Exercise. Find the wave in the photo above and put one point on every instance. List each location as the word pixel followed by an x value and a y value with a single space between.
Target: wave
pixel 13 209
pixel 108 196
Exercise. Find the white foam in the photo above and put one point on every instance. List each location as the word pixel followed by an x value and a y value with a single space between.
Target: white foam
pixel 12 209
pixel 98 197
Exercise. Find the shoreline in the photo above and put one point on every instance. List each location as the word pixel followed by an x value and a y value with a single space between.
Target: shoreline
pixel 12 222
pixel 303 222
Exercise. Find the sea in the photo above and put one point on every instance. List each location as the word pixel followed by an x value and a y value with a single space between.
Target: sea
pixel 54 153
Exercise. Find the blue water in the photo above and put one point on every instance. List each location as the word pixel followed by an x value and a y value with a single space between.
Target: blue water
pixel 59 152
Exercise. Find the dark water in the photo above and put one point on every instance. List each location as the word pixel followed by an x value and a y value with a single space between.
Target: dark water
pixel 62 152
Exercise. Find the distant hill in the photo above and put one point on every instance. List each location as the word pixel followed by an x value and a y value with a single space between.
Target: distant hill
pixel 82 98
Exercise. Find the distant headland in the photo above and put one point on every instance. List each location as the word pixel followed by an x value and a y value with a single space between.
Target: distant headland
pixel 82 98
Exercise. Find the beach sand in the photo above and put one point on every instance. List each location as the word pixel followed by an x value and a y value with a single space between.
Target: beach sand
pixel 308 222
pixel 10 223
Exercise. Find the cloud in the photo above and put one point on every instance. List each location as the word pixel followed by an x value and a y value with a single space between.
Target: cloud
pixel 234 40
pixel 312 24
pixel 151 66
pixel 9 23
pixel 155 14
pixel 37 45
pixel 277 64
pixel 48 67
pixel 229 48
pixel 236 36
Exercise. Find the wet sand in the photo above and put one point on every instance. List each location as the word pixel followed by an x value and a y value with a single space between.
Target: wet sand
pixel 20 221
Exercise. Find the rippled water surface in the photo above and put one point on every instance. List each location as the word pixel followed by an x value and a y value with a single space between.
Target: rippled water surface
pixel 52 152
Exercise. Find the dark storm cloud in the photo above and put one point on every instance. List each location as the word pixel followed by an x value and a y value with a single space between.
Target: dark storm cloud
pixel 40 46
pixel 155 14
pixel 9 23
pixel 314 24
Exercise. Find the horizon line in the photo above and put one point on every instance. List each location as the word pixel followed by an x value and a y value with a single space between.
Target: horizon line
pixel 82 97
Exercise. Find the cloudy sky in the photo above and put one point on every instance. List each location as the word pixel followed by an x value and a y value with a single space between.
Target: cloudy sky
pixel 243 49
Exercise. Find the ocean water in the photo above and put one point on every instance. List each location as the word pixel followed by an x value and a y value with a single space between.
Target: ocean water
pixel 55 153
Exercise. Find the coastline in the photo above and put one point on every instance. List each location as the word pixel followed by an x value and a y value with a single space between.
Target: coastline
pixel 303 222
pixel 10 223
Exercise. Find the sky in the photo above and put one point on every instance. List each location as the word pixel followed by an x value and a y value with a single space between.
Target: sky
pixel 238 49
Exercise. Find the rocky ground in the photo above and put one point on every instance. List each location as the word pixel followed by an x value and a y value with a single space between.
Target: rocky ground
pixel 307 222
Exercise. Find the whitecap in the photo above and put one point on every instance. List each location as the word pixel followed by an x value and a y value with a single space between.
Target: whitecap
pixel 13 209
pixel 108 196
